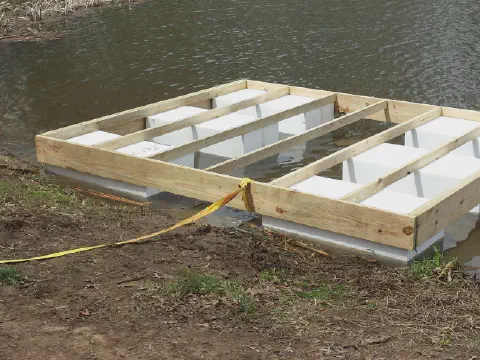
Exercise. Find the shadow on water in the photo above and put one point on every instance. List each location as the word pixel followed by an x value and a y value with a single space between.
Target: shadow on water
pixel 116 58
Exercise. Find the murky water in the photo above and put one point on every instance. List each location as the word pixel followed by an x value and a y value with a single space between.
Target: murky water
pixel 116 58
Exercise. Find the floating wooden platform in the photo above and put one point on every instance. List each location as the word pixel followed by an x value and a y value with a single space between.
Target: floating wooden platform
pixel 363 205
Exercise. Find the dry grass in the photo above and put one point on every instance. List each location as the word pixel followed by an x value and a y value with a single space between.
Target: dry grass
pixel 11 13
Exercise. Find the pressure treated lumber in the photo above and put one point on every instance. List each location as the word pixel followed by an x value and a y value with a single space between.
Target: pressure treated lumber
pixel 257 155
pixel 444 209
pixel 373 187
pixel 356 149
pixel 144 111
pixel 150 133
pixel 240 130
pixel 398 111
pixel 338 216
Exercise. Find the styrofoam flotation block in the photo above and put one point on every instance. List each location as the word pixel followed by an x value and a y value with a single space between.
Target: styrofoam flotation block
pixel 335 189
pixel 229 148
pixel 444 129
pixel 428 182
pixel 239 96
pixel 140 149
pixel 93 138
pixel 179 137
pixel 238 145
pixel 293 125
pixel 299 123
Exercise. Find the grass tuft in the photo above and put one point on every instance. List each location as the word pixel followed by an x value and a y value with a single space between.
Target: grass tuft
pixel 276 275
pixel 425 268
pixel 10 276
pixel 189 282
pixel 322 292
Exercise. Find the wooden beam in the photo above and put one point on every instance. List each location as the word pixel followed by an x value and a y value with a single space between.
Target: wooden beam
pixel 398 111
pixel 301 91
pixel 189 148
pixel 461 113
pixel 144 111
pixel 373 187
pixel 290 142
pixel 355 149
pixel 441 211
pixel 261 85
pixel 150 133
pixel 329 214
pixel 127 127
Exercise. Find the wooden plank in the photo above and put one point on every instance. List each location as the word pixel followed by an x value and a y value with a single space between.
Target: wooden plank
pixel 148 134
pixel 398 111
pixel 441 211
pixel 189 148
pixel 261 85
pixel 290 142
pixel 300 91
pixel 461 113
pixel 329 214
pixel 204 104
pixel 373 187
pixel 127 127
pixel 144 111
pixel 356 149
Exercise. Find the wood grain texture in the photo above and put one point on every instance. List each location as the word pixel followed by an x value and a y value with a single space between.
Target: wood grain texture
pixel 338 216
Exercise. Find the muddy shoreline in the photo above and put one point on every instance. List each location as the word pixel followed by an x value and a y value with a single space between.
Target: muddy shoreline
pixel 27 20
pixel 202 292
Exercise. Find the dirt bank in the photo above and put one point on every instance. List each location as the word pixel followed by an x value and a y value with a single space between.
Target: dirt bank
pixel 206 293
pixel 25 20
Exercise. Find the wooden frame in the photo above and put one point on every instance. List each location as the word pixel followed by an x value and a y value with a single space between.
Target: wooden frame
pixel 345 216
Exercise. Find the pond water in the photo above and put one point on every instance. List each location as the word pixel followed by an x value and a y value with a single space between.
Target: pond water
pixel 116 58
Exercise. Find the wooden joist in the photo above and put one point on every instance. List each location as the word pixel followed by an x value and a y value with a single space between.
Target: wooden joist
pixel 373 187
pixel 262 153
pixel 240 130
pixel 355 149
pixel 150 133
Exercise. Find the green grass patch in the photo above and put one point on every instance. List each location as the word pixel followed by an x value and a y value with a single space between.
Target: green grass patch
pixel 10 276
pixel 424 268
pixel 322 292
pixel 29 192
pixel 190 282
pixel 276 275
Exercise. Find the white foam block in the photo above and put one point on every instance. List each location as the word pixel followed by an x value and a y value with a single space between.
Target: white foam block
pixel 179 137
pixel 93 138
pixel 238 145
pixel 148 148
pixel 428 182
pixel 335 189
pixel 236 97
pixel 300 123
pixel 444 129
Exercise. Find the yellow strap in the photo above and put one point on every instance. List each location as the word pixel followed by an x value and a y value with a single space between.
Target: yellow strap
pixel 243 188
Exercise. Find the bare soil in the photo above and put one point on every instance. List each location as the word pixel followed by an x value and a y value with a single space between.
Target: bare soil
pixel 130 302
